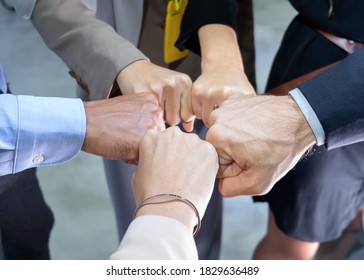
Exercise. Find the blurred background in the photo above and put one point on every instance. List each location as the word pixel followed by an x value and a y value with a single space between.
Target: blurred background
pixel 77 191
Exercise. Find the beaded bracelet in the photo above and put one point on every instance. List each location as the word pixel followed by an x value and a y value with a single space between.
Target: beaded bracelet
pixel 175 198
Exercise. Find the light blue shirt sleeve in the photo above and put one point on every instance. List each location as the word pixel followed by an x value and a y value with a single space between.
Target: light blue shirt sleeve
pixel 3 81
pixel 23 7
pixel 310 116
pixel 39 131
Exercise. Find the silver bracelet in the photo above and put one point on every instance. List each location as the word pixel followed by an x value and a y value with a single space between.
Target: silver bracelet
pixel 175 197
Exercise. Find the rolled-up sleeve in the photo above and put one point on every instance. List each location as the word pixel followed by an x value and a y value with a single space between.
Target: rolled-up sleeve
pixel 39 131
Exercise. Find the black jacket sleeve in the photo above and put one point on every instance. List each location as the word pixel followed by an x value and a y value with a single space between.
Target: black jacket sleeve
pixel 201 12
pixel 337 97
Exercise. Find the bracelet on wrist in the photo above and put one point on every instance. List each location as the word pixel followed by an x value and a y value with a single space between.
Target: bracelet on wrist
pixel 172 197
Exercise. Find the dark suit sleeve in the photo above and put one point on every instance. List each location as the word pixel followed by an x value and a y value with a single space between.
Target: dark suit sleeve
pixel 337 97
pixel 201 12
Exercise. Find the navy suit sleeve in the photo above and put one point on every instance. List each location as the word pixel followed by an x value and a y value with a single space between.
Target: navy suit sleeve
pixel 201 12
pixel 337 97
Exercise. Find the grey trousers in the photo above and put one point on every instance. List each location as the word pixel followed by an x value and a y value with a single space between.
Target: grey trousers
pixel 2 257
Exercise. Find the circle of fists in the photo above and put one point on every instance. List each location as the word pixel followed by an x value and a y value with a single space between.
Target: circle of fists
pixel 258 138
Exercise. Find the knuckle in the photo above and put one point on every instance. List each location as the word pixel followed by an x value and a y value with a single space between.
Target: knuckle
pixel 186 79
pixel 210 149
pixel 156 88
pixel 198 90
pixel 173 120
pixel 228 91
pixel 174 130
pixel 149 134
pixel 213 133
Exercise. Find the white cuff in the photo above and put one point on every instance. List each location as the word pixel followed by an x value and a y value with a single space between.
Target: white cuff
pixel 310 116
pixel 51 131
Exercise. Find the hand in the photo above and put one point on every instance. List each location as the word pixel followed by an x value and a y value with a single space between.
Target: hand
pixel 213 87
pixel 115 127
pixel 222 75
pixel 179 163
pixel 167 85
pixel 258 139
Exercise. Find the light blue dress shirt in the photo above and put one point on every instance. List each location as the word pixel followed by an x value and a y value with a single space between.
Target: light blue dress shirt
pixel 23 8
pixel 3 81
pixel 39 131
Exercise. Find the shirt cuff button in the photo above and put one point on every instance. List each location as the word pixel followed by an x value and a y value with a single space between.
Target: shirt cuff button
pixel 38 159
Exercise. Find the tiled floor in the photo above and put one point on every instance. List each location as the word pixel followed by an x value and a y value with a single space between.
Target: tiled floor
pixel 77 191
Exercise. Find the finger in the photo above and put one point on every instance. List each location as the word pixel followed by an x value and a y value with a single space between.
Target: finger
pixel 212 117
pixel 197 100
pixel 244 183
pixel 230 187
pixel 172 105
pixel 229 168
pixel 173 130
pixel 207 109
pixel 188 126
pixel 157 120
pixel 187 114
pixel 161 126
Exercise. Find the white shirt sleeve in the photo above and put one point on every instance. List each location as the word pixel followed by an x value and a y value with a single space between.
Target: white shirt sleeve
pixel 39 131
pixel 310 116
pixel 152 237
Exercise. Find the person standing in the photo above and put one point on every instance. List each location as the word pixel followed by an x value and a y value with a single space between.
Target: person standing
pixel 314 190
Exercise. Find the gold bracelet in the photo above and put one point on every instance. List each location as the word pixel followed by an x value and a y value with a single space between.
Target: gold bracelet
pixel 175 198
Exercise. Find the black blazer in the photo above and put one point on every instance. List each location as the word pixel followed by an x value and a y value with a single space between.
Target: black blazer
pixel 337 96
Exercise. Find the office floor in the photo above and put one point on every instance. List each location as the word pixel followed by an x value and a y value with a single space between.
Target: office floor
pixel 77 191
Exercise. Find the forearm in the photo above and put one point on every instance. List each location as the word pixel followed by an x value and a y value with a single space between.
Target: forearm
pixel 215 40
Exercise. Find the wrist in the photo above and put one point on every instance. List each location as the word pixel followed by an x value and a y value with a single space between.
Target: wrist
pixel 310 115
pixel 304 134
pixel 175 210
pixel 172 206
pixel 126 75
pixel 89 126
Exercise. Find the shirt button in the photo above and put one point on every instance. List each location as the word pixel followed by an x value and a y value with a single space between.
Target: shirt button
pixel 38 159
